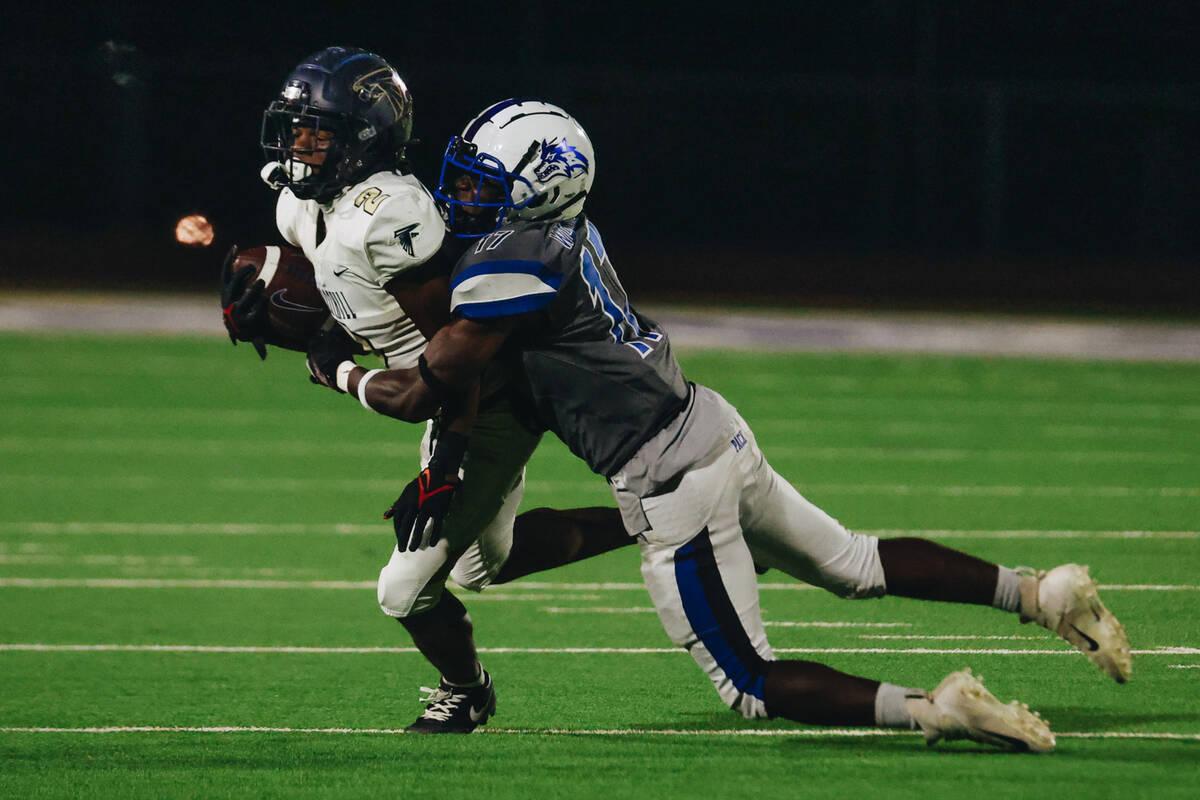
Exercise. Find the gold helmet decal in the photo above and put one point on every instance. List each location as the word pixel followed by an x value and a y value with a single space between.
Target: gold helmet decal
pixel 370 87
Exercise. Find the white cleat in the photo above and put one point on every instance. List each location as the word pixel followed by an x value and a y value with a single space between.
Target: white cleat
pixel 1065 601
pixel 960 708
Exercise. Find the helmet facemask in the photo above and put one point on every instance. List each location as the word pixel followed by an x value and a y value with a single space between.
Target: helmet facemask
pixel 493 188
pixel 282 124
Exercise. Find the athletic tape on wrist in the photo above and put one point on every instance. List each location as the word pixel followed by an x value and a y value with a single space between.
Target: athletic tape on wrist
pixel 448 451
pixel 362 387
pixel 343 374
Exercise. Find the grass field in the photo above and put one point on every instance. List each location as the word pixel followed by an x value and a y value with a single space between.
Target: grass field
pixel 189 542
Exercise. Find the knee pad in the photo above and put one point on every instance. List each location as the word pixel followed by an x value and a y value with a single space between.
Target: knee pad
pixel 409 583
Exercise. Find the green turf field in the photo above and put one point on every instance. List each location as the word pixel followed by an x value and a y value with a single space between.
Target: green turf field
pixel 189 541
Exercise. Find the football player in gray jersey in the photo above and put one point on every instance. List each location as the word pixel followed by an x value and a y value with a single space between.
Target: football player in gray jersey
pixel 538 292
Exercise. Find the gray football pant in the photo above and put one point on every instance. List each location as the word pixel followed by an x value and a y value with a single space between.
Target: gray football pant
pixel 730 510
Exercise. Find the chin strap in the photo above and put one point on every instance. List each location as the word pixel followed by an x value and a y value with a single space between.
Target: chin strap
pixel 278 176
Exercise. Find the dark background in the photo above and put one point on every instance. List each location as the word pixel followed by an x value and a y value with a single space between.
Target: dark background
pixel 929 154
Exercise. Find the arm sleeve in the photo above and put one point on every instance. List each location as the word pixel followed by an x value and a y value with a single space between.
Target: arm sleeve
pixel 405 232
pixel 502 288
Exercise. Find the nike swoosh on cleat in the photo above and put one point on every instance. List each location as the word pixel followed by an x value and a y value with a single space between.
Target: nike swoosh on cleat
pixel 478 715
pixel 1019 744
pixel 1092 643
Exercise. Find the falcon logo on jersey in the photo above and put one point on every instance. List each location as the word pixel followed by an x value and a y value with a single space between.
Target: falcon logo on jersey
pixel 405 236
pixel 559 158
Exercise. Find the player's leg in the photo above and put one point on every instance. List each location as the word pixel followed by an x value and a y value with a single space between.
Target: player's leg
pixel 701 578
pixel 787 532
pixel 925 570
pixel 704 589
pixel 411 586
pixel 544 538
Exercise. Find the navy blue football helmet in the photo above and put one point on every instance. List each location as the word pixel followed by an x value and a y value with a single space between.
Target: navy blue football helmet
pixel 355 104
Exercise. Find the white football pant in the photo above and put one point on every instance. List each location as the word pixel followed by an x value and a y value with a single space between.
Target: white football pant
pixel 730 510
pixel 477 535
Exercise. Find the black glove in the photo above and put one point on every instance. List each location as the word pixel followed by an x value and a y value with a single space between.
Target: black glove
pixel 326 350
pixel 243 310
pixel 420 511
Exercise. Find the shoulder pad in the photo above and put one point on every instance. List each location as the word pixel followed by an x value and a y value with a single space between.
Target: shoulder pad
pixel 501 287
pixel 403 226
pixel 287 208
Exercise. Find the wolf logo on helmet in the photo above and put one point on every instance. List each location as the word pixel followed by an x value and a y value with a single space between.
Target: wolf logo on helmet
pixel 559 158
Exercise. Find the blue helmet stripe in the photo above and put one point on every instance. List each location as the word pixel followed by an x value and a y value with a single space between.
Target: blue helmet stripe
pixel 487 115
pixel 348 59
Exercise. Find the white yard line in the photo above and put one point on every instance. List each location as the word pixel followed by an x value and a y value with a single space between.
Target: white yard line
pixel 598 610
pixel 1000 491
pixel 222 447
pixel 814 733
pixel 216 583
pixel 293 650
pixel 348 529
pixel 950 637
pixel 186 529
pixel 146 482
pixel 1035 534
pixel 207 447
pixel 770 624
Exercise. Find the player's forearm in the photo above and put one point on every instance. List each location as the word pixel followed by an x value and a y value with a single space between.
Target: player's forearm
pixel 398 393
pixel 459 413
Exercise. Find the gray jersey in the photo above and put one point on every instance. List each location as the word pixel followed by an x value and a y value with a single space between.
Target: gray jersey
pixel 602 376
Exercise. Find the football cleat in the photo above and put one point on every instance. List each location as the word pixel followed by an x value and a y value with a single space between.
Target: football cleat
pixel 1065 601
pixel 960 708
pixel 455 709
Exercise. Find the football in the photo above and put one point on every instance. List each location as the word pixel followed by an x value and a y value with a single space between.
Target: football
pixel 294 305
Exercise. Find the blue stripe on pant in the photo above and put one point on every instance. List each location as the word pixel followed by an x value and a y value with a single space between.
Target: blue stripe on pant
pixel 713 617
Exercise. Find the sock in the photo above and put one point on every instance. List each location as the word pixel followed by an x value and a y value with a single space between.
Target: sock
pixel 891 709
pixel 1008 590
pixel 477 682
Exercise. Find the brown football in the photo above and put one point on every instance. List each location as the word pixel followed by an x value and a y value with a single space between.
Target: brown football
pixel 294 305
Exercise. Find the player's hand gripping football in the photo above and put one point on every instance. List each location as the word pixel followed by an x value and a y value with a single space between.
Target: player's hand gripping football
pixel 327 350
pixel 243 305
pixel 420 511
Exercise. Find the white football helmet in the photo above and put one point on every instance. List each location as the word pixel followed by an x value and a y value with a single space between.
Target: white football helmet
pixel 535 152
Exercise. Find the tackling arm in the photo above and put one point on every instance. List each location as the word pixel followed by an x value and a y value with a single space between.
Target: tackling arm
pixel 452 364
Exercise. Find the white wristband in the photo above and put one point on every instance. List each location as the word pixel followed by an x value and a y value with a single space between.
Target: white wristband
pixel 362 387
pixel 343 374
